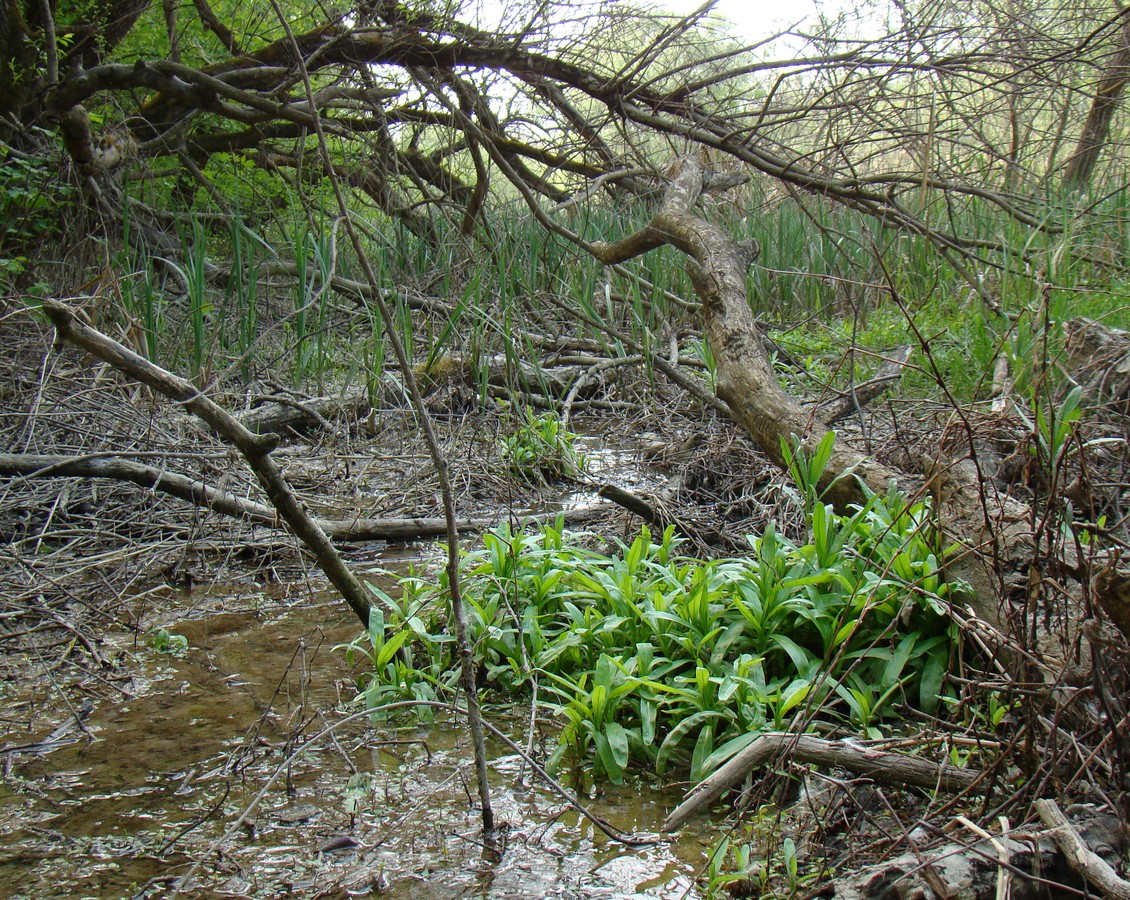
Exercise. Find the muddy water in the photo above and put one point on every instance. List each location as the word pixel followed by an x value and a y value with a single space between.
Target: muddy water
pixel 161 781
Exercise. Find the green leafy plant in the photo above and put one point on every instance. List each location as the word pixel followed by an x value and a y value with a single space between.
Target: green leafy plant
pixel 652 658
pixel 32 200
pixel 542 448
pixel 164 641
pixel 358 789
pixel 757 861
pixel 242 293
pixel 200 307
pixel 733 871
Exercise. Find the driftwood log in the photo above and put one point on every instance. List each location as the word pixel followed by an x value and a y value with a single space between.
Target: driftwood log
pixel 889 768
pixel 286 416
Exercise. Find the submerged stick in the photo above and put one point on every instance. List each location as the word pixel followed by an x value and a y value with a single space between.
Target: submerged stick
pixel 880 765
pixel 255 449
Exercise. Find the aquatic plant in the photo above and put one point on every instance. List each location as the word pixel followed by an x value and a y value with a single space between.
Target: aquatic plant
pixel 653 658
pixel 542 448
pixel 164 641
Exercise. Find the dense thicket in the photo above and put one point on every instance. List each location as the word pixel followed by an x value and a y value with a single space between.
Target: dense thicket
pixel 909 114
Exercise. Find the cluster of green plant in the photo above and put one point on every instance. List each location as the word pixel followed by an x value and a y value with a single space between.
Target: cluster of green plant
pixel 164 641
pixel 542 448
pixel 651 658
pixel 760 865
pixel 827 277
pixel 32 198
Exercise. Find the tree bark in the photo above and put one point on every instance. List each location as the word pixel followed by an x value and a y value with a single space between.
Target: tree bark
pixel 1080 167
pixel 746 382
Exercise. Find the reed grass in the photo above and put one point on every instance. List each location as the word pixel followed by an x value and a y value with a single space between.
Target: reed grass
pixel 823 287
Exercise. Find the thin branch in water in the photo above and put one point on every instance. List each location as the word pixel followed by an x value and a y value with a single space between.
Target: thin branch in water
pixel 474 716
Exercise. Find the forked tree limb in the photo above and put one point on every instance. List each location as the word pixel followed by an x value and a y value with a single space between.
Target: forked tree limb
pixel 746 381
pixel 255 449
pixel 883 766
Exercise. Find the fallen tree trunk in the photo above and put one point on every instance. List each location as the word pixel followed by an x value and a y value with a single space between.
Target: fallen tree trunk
pixel 32 465
pixel 286 416
pixel 888 768
pixel 993 529
pixel 746 381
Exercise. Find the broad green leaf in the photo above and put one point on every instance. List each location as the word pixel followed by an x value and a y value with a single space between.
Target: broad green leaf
pixel 388 651
pixel 617 743
pixel 930 684
pixel 892 672
pixel 608 759
pixel 685 727
pixel 648 711
pixel 703 747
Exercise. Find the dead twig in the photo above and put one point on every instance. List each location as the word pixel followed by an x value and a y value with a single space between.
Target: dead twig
pixel 1079 856
pixel 255 449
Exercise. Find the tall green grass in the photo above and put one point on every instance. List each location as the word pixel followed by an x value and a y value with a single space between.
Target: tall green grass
pixel 824 284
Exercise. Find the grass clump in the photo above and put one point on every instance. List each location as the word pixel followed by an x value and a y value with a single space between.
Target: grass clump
pixel 654 659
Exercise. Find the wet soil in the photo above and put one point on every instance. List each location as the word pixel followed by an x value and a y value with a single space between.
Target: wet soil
pixel 166 778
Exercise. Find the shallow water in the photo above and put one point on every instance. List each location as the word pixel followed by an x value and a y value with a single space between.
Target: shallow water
pixel 172 768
